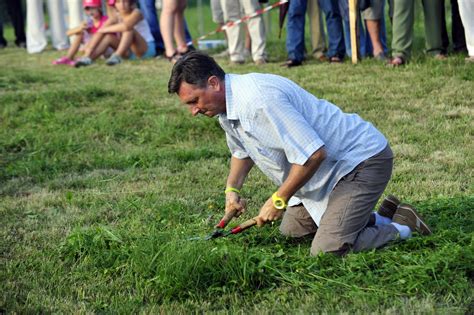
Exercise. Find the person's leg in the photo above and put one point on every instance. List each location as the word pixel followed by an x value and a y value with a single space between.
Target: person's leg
pixel 466 11
pixel 15 11
pixel 297 222
pixel 138 45
pixel 336 47
pixel 344 225
pixel 57 24
pixel 179 30
pixel 147 7
pixel 74 48
pixel 106 41
pixel 457 31
pixel 167 21
pixel 433 10
pixel 35 32
pixel 256 30
pixel 231 10
pixel 318 37
pixel 402 29
pixel 373 18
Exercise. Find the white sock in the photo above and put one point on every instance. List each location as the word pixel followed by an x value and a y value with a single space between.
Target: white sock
pixel 404 230
pixel 381 220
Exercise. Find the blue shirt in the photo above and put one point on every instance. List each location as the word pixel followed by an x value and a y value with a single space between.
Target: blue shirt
pixel 276 123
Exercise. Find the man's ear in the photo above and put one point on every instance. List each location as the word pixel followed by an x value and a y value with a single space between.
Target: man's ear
pixel 214 82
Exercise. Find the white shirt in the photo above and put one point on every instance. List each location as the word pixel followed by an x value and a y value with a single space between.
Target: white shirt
pixel 276 123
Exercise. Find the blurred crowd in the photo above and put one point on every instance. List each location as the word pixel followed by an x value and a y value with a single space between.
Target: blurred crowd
pixel 117 30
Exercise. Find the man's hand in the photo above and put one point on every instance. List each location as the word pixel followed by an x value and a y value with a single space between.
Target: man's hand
pixel 233 202
pixel 268 213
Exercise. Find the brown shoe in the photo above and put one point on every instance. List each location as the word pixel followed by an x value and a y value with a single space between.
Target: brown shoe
pixel 406 215
pixel 389 206
pixel 260 62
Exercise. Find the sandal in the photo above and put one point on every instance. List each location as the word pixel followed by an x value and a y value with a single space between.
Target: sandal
pixel 174 58
pixel 396 62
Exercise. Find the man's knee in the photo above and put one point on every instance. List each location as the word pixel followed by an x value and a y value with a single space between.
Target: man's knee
pixel 329 245
pixel 297 222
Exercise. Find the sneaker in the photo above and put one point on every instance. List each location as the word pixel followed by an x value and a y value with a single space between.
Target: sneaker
pixel 469 59
pixel 389 206
pixel 64 61
pixel 83 62
pixel 113 60
pixel 406 215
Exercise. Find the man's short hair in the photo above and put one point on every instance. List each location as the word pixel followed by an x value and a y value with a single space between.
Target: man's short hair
pixel 194 68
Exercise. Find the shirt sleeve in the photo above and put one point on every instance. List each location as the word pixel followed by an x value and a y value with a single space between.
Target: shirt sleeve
pixel 236 148
pixel 282 126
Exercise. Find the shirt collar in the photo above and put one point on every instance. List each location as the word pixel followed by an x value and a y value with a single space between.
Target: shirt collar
pixel 231 112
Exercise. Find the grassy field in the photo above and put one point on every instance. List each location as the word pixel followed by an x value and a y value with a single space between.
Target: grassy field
pixel 104 177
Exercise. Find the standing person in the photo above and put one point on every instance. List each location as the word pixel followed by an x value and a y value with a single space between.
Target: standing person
pixel 466 10
pixel 232 12
pixel 457 30
pixel 336 47
pixel 344 11
pixel 336 165
pixel 149 12
pixel 375 27
pixel 172 26
pixel 402 30
pixel 295 45
pixel 15 11
pixel 36 40
pixel 84 31
pixel 316 27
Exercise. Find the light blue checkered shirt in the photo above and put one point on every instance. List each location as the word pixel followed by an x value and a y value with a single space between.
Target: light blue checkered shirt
pixel 276 123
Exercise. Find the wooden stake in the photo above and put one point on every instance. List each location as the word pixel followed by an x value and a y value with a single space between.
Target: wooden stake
pixel 353 27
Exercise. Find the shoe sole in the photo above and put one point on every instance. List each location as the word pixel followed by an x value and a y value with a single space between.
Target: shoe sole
pixel 420 226
pixel 389 202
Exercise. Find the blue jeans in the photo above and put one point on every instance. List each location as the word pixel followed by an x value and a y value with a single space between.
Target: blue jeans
pixel 295 30
pixel 149 12
pixel 336 47
pixel 344 10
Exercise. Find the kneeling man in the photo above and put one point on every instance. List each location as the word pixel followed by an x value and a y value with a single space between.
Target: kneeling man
pixel 330 167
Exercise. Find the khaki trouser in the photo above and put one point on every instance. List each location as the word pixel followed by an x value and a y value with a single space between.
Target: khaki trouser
pixel 344 225
pixel 318 37
pixel 402 30
pixel 256 27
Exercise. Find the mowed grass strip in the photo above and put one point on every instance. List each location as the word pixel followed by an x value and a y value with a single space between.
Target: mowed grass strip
pixel 104 177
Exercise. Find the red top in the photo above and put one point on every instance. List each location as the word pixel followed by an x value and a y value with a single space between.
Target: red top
pixel 93 29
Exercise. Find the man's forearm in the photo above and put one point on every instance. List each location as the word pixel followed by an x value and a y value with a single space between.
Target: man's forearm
pixel 300 174
pixel 239 169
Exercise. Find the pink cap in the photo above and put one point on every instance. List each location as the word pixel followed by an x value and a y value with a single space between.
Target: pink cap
pixel 91 3
pixel 111 2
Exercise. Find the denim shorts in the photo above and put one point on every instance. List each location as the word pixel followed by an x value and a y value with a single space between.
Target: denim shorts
pixel 150 52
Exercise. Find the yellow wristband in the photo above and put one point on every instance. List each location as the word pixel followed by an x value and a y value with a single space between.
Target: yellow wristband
pixel 278 202
pixel 229 189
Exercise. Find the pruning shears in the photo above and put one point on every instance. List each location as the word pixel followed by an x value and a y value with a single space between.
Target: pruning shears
pixel 220 232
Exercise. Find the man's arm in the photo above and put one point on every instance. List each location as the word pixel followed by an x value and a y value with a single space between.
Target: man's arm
pixel 239 169
pixel 298 176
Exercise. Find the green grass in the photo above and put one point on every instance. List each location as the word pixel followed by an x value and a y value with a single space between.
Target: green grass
pixel 104 177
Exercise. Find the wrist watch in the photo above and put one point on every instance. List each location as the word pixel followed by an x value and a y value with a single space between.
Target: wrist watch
pixel 278 202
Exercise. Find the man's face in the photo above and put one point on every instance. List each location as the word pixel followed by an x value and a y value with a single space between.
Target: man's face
pixel 208 100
